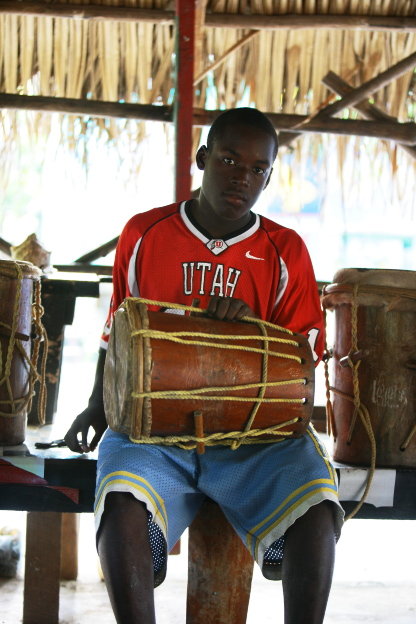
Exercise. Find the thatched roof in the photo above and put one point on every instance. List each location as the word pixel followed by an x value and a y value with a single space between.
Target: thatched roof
pixel 272 54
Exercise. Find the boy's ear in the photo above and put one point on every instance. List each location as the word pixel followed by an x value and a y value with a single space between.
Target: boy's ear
pixel 201 156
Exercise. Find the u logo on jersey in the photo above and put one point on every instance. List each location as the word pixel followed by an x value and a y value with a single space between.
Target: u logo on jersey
pixel 204 278
pixel 217 246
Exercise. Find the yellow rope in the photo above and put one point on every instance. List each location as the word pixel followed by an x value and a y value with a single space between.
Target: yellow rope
pixel 243 437
pixel 197 393
pixel 185 394
pixel 233 439
pixel 262 389
pixel 180 306
pixel 360 409
pixel 41 337
pixel 161 335
pixel 155 333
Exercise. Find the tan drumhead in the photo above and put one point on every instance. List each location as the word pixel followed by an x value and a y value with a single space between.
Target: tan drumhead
pixel 393 278
pixel 10 268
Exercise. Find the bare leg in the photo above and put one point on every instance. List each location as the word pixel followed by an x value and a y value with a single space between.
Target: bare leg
pixel 308 565
pixel 126 559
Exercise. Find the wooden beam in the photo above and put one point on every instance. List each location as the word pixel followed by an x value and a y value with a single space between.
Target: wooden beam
pixel 391 131
pixel 92 108
pixel 392 23
pixel 322 21
pixel 184 95
pixel 88 11
pixel 84 268
pixel 369 111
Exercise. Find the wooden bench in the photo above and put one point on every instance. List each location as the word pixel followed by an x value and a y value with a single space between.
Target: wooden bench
pixel 212 542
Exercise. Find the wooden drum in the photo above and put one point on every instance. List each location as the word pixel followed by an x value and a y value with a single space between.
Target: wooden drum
pixel 16 386
pixel 174 379
pixel 375 345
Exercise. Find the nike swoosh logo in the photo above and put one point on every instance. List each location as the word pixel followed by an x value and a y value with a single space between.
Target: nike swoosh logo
pixel 248 255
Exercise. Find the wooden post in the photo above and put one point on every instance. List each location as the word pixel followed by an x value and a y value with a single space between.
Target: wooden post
pixel 220 570
pixel 184 95
pixel 42 564
pixel 69 546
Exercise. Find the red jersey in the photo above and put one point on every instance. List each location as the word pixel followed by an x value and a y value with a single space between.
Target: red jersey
pixel 163 254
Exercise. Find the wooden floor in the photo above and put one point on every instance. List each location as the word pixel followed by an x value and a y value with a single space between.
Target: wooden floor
pixel 374 581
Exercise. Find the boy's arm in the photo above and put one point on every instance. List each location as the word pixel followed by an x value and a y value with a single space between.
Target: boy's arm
pixel 93 416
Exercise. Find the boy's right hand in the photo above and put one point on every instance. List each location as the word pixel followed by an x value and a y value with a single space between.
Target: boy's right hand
pixel 93 416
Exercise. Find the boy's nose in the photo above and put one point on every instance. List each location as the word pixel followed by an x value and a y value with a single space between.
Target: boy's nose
pixel 240 176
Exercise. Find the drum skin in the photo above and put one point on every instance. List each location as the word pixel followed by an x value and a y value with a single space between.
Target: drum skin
pixel 386 340
pixel 13 423
pixel 136 364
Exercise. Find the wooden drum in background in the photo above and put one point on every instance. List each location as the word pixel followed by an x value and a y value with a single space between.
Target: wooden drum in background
pixel 187 359
pixel 385 347
pixel 16 296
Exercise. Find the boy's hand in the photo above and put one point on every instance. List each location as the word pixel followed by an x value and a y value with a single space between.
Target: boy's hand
pixel 228 309
pixel 92 416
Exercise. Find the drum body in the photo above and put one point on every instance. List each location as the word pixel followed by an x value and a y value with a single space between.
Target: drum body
pixel 16 297
pixel 139 364
pixel 386 351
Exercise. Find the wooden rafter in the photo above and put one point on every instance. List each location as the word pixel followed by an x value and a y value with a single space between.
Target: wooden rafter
pixel 213 20
pixel 355 95
pixel 367 110
pixel 373 85
pixel 392 131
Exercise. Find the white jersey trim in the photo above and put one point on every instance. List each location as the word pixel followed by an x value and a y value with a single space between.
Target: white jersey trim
pixel 131 274
pixel 246 234
pixel 191 226
pixel 230 241
pixel 283 282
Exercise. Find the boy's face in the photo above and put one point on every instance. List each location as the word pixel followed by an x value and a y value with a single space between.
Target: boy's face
pixel 237 169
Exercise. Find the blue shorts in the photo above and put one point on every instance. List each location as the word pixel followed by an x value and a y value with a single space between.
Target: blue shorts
pixel 261 488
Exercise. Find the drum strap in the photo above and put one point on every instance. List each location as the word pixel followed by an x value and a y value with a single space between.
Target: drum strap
pixel 18 405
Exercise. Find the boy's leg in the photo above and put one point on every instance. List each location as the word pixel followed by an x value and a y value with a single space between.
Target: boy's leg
pixel 308 564
pixel 126 559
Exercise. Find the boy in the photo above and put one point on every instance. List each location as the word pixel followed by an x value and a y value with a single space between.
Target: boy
pixel 280 497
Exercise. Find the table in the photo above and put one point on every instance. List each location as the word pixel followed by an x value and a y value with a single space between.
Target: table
pixel 48 483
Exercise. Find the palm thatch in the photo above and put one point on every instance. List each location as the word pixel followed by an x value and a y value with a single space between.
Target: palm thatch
pixel 271 54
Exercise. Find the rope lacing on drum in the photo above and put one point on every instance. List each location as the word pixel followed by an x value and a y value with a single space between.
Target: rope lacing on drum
pixel 359 408
pixel 18 405
pixel 234 438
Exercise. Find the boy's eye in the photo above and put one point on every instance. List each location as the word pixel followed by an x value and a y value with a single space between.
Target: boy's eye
pixel 259 171
pixel 229 161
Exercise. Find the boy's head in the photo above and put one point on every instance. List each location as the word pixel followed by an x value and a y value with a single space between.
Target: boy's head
pixel 241 116
pixel 237 163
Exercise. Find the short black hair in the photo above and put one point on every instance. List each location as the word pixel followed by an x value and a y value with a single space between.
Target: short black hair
pixel 247 116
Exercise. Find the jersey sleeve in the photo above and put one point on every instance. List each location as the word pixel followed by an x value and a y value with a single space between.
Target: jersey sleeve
pixel 124 252
pixel 298 307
